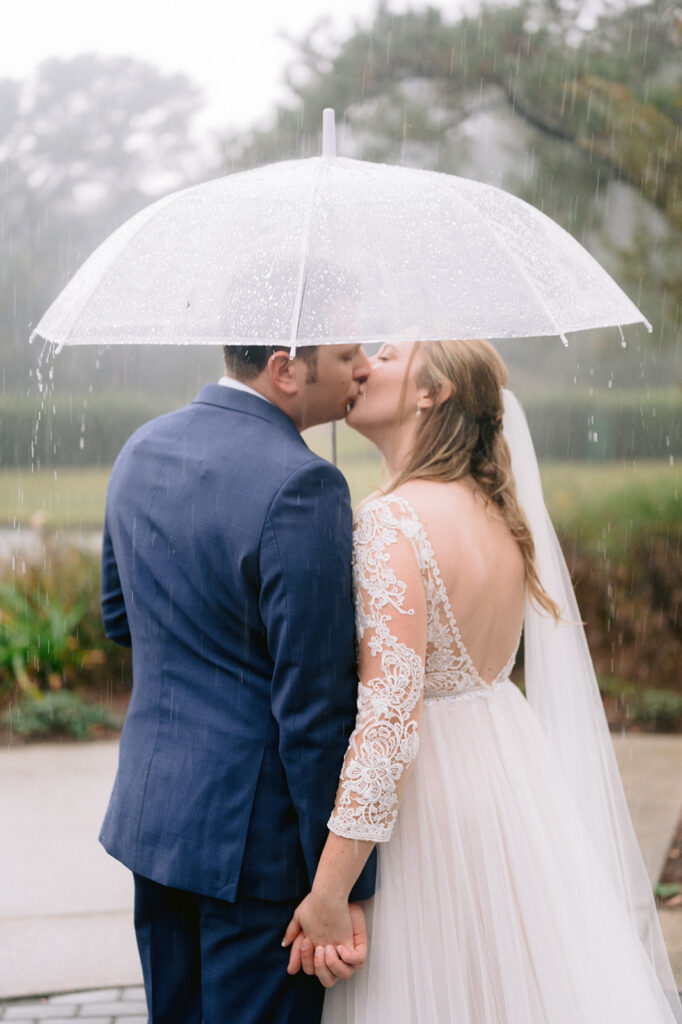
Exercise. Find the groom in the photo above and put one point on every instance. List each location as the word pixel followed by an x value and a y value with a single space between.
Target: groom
pixel 226 566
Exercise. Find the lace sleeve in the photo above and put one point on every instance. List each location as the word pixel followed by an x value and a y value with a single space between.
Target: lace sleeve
pixel 391 629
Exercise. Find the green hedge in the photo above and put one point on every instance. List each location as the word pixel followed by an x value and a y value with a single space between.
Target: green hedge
pixel 566 424
pixel 605 425
pixel 74 430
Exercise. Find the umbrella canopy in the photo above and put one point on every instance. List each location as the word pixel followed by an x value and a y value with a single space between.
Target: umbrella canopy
pixel 324 250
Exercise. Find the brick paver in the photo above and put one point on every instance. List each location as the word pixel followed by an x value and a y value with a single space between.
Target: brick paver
pixel 98 1006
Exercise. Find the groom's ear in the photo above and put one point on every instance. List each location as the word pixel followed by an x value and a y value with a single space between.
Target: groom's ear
pixel 285 373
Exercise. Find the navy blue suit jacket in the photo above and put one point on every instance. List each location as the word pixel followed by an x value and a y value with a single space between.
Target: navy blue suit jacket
pixel 227 566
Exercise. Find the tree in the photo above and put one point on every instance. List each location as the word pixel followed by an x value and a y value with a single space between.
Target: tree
pixel 615 91
pixel 83 144
pixel 591 108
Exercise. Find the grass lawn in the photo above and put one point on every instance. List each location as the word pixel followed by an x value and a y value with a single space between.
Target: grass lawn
pixel 603 502
pixel 603 505
pixel 66 498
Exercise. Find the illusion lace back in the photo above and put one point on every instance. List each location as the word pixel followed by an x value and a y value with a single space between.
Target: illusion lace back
pixel 385 740
pixel 492 905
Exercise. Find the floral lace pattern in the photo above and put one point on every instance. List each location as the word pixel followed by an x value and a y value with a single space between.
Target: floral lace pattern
pixel 385 739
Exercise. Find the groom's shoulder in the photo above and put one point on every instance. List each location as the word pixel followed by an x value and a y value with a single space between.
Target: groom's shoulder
pixel 151 428
pixel 306 469
pixel 313 494
pixel 265 455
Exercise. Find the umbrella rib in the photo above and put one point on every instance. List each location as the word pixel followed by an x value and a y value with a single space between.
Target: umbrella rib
pixel 297 311
pixel 519 266
pixel 158 205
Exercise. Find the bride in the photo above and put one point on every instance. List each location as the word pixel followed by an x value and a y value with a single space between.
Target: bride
pixel 511 888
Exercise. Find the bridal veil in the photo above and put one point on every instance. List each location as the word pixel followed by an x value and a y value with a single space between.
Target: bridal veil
pixel 562 689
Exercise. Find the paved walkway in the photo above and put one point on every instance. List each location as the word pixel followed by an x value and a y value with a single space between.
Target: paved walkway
pixel 102 1006
pixel 66 907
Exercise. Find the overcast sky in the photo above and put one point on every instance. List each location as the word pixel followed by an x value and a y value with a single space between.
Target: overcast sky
pixel 232 48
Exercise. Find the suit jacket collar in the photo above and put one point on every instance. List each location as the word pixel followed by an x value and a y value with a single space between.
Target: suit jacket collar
pixel 251 405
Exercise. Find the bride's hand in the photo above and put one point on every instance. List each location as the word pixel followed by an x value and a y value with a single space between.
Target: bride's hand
pixel 329 939
pixel 323 919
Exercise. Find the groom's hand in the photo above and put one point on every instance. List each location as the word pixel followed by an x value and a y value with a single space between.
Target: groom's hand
pixel 341 962
pixel 329 939
pixel 338 963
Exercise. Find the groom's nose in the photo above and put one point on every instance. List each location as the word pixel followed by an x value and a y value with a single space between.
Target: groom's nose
pixel 362 368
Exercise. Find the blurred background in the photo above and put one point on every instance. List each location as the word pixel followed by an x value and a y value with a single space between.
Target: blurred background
pixel 575 107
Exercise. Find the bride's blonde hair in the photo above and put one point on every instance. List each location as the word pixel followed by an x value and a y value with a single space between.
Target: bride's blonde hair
pixel 461 435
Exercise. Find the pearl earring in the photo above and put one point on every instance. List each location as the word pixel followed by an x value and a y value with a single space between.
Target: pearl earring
pixel 419 411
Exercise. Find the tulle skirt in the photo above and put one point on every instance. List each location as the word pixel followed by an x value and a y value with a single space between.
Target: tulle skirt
pixel 491 906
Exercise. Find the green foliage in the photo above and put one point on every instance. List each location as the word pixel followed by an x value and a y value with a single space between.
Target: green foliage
pixel 58 714
pixel 615 511
pixel 657 709
pixel 36 637
pixel 51 633
pixel 660 708
pixel 666 890
pixel 615 688
pixel 609 91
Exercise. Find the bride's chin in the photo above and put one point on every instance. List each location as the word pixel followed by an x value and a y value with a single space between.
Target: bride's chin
pixel 354 417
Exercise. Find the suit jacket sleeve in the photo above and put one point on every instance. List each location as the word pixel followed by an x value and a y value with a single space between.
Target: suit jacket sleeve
pixel 113 608
pixel 307 609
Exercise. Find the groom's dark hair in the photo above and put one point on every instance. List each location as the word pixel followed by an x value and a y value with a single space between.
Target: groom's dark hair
pixel 245 362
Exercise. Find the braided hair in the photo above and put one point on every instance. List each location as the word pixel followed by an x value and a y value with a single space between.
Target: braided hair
pixel 461 435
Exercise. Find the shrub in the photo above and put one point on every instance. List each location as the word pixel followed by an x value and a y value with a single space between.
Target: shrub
pixel 666 890
pixel 631 608
pixel 58 714
pixel 37 641
pixel 660 708
pixel 609 511
pixel 51 632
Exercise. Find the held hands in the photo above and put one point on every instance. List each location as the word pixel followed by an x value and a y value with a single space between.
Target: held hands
pixel 328 933
pixel 327 937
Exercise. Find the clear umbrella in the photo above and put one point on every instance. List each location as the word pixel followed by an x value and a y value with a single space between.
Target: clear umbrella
pixel 328 249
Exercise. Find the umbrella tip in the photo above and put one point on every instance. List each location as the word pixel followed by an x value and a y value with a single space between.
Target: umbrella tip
pixel 328 132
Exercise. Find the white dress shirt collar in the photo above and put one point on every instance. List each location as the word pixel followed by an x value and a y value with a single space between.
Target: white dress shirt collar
pixel 230 382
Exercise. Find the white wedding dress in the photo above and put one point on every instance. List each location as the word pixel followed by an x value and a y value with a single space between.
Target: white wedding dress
pixel 492 904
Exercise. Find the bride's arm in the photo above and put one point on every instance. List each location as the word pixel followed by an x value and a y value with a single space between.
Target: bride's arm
pixel 391 627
